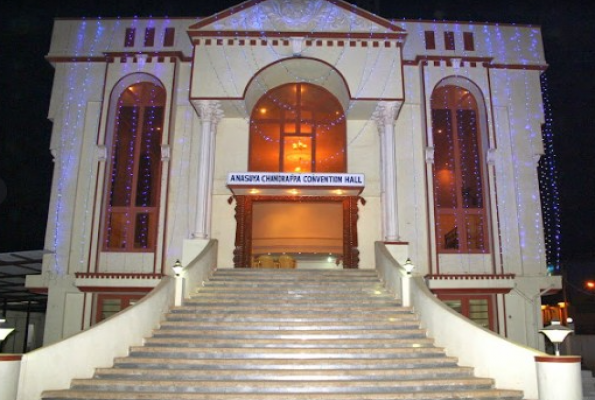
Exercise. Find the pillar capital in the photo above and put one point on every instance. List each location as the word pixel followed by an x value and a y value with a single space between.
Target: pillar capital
pixel 209 110
pixel 386 113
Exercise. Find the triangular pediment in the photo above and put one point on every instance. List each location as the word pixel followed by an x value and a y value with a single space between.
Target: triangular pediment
pixel 303 17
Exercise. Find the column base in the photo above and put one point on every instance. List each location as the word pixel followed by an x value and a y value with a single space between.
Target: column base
pixel 559 377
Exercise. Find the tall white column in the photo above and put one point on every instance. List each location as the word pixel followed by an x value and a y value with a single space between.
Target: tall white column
pixel 210 114
pixel 385 116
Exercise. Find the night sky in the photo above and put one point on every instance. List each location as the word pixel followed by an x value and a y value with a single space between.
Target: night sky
pixel 26 78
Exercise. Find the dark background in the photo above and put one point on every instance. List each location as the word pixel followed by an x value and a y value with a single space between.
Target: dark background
pixel 26 78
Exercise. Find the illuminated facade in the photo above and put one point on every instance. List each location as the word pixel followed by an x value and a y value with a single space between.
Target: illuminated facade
pixel 424 135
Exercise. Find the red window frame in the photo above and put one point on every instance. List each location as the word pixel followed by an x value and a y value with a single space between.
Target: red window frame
pixel 168 37
pixel 129 37
pixel 468 41
pixel 430 40
pixel 298 117
pixel 460 189
pixel 134 172
pixel 449 40
pixel 125 300
pixel 466 307
pixel 149 37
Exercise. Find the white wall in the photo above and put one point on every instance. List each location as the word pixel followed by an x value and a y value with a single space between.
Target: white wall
pixel 9 376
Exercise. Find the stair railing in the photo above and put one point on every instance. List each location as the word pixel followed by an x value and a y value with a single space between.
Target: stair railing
pixel 53 367
pixel 512 366
pixel 200 268
pixel 78 356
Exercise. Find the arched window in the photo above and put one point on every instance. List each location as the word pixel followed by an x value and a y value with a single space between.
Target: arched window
pixel 297 127
pixel 133 188
pixel 459 183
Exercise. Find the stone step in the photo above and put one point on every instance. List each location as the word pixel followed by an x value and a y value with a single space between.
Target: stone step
pixel 350 318
pixel 310 273
pixel 292 326
pixel 373 279
pixel 290 301
pixel 451 395
pixel 284 282
pixel 281 387
pixel 265 353
pixel 271 309
pixel 289 344
pixel 346 297
pixel 377 364
pixel 284 375
pixel 378 334
pixel 258 290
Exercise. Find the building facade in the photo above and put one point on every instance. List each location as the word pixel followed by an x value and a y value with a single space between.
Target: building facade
pixel 294 129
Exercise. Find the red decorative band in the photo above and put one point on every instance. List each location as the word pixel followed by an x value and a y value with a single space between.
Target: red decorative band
pixel 469 276
pixel 558 359
pixel 194 35
pixel 115 275
pixel 10 357
pixel 114 289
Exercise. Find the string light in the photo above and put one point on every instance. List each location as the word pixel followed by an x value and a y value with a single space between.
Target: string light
pixel 67 153
pixel 548 180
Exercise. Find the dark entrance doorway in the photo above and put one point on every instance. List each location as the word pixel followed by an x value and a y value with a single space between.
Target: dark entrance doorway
pixel 305 227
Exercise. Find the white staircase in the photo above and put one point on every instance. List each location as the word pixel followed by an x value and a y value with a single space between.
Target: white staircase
pixel 287 335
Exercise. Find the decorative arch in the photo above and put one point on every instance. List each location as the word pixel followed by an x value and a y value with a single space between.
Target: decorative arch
pixel 297 69
pixel 459 133
pixel 133 179
pixel 298 127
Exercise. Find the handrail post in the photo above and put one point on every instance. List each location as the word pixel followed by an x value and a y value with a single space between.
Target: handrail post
pixel 179 291
pixel 406 291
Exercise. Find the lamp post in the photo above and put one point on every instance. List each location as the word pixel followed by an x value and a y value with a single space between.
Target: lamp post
pixel 179 291
pixel 406 283
pixel 177 267
pixel 551 371
pixel 408 266
pixel 556 333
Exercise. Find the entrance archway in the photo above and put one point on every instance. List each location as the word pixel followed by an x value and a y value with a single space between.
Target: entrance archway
pixel 297 128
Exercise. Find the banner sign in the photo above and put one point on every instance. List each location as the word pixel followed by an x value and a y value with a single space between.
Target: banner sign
pixel 294 180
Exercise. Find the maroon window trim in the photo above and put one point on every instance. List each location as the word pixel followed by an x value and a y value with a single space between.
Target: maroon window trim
pixel 168 37
pixel 134 180
pixel 460 190
pixel 449 40
pixel 129 37
pixel 125 300
pixel 430 39
pixel 466 306
pixel 149 37
pixel 468 41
